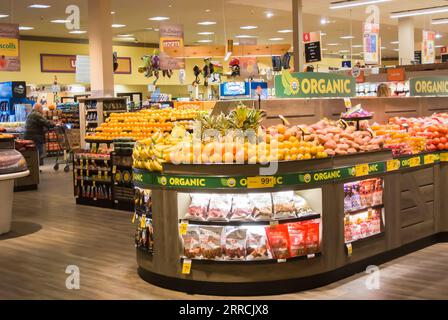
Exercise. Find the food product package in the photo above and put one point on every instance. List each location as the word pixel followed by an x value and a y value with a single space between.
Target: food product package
pixel 235 243
pixel 312 236
pixel 210 238
pixel 257 247
pixel 297 238
pixel 198 207
pixel 192 243
pixel 278 241
pixel 302 207
pixel 262 206
pixel 220 206
pixel 242 208
pixel 283 205
pixel 11 161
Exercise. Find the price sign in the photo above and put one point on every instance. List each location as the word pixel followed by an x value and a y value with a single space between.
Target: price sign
pixel 348 103
pixel 183 228
pixel 311 256
pixel 133 218
pixel 428 159
pixel 186 266
pixel 393 165
pixel 114 169
pixel 281 260
pixel 444 157
pixel 414 162
pixel 261 182
pixel 349 249
pixel 143 222
pixel 362 170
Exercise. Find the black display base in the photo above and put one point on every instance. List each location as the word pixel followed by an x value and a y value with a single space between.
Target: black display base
pixel 288 285
pixel 95 203
pixel 26 188
pixel 125 206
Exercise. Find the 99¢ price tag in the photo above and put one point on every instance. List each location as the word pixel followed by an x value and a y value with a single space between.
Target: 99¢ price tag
pixel 444 157
pixel 349 249
pixel 414 162
pixel 428 159
pixel 261 182
pixel 143 222
pixel 393 165
pixel 186 266
pixel 362 170
pixel 183 228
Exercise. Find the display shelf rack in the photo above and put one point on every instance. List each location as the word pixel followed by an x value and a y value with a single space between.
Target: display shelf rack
pixel 378 206
pixel 260 261
pixel 250 223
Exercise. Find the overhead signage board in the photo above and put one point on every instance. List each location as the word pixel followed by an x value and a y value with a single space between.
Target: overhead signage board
pixel 312 44
pixel 9 47
pixel 171 36
pixel 314 85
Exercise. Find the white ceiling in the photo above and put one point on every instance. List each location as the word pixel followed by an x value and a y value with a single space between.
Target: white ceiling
pixel 230 15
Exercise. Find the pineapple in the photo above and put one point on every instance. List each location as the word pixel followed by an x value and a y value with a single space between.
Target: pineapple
pixel 246 118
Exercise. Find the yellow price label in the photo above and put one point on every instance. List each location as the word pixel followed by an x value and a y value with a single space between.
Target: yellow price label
pixel 261 182
pixel 143 222
pixel 348 103
pixel 362 170
pixel 183 228
pixel 444 157
pixel 393 165
pixel 414 162
pixel 133 218
pixel 349 249
pixel 186 266
pixel 114 169
pixel 428 159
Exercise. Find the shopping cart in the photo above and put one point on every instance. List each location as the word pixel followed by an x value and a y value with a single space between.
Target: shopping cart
pixel 66 144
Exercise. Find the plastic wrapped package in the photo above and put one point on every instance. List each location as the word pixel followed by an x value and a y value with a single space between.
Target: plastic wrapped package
pixel 262 206
pixel 278 237
pixel 192 243
pixel 242 208
pixel 284 205
pixel 257 244
pixel 11 161
pixel 210 238
pixel 302 207
pixel 313 236
pixel 198 207
pixel 234 243
pixel 297 239
pixel 220 206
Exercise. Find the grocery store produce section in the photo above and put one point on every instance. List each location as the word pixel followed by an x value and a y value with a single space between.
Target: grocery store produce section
pixel 346 194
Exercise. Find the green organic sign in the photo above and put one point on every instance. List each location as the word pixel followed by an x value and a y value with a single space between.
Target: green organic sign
pixel 314 85
pixel 429 86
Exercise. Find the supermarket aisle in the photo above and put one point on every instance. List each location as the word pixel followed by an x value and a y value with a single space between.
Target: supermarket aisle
pixel 51 233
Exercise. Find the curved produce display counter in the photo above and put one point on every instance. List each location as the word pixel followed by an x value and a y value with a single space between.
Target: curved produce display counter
pixel 226 230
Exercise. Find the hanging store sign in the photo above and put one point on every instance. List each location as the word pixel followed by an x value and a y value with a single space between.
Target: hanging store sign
pixel 171 37
pixel 418 57
pixel 9 47
pixel 371 36
pixel 314 85
pixel 428 47
pixel 312 43
pixel 396 74
pixel 429 86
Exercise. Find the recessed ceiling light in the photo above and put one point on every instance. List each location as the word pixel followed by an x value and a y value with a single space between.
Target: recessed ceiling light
pixel 269 14
pixel 438 36
pixel 60 21
pixel 158 18
pixel 204 41
pixel 357 46
pixel 78 32
pixel 324 21
pixel 285 31
pixel 276 39
pixel 347 37
pixel 397 50
pixel 353 3
pixel 157 29
pixel 126 39
pixel 244 36
pixel 207 33
pixel 439 46
pixel 324 49
pixel 344 51
pixel 395 42
pixel 418 12
pixel 333 44
pixel 208 10
pixel 236 43
pixel 117 25
pixel 323 34
pixel 383 48
pixel 125 35
pixel 112 12
pixel 206 23
pixel 248 27
pixel 39 6
pixel 26 28
pixel 4 16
